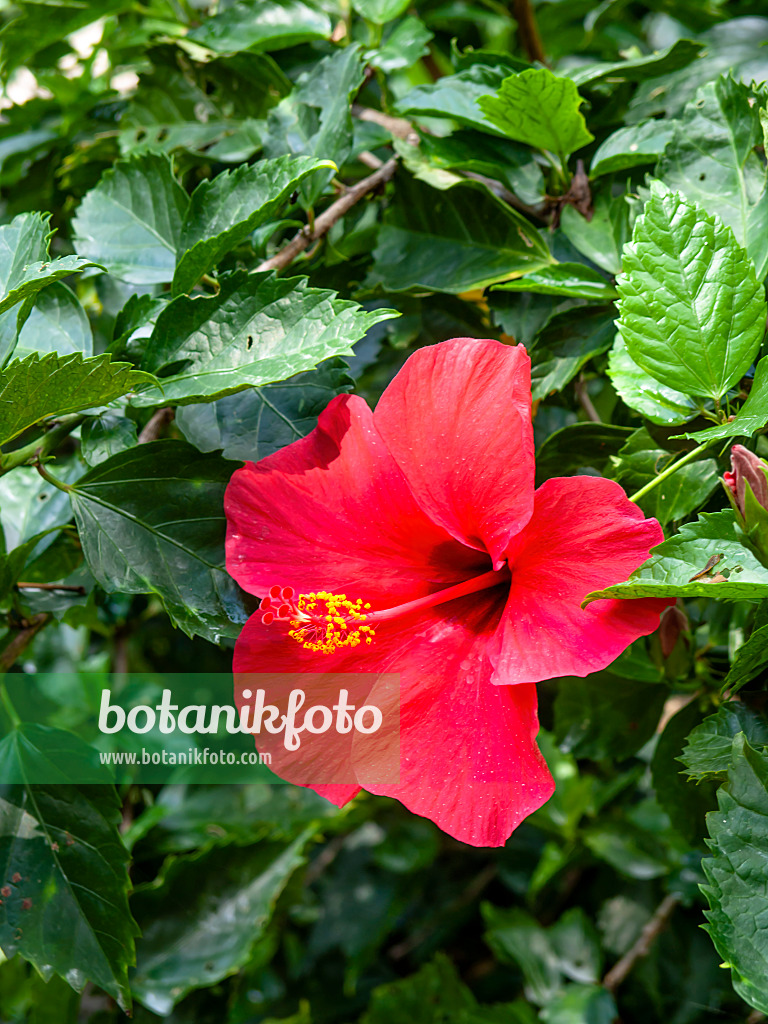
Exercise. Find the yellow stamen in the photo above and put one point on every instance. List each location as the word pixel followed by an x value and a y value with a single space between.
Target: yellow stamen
pixel 324 622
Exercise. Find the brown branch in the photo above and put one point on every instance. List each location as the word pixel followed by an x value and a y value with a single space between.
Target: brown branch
pixel 642 947
pixel 397 126
pixel 22 640
pixel 528 31
pixel 155 426
pixel 52 586
pixel 329 217
pixel 580 387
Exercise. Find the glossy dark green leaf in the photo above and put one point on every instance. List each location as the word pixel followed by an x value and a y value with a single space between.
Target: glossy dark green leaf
pixel 712 159
pixel 380 11
pixel 752 416
pixel 103 436
pixel 257 422
pixel 63 861
pixel 224 210
pixel 571 280
pixel 668 571
pixel 636 69
pixel 204 921
pixel 131 221
pixel 259 329
pixel 267 26
pixel 541 109
pixel 453 241
pixel 631 851
pixel 33 388
pixel 22 242
pixel 569 340
pixel 56 323
pixel 641 460
pixel 165 537
pixel 737 893
pixel 455 96
pixel 750 660
pixel 632 146
pixel 579 445
pixel 707 753
pixel 692 310
pixel 643 393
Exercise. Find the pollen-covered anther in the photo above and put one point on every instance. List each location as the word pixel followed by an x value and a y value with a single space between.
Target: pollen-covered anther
pixel 319 621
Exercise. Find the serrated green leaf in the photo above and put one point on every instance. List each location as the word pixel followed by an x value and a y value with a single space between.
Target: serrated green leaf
pixel 668 571
pixel 224 210
pixel 456 96
pixel 641 392
pixel 33 388
pixel 22 242
pixel 205 920
pixel 571 280
pixel 257 422
pixel 752 416
pixel 712 159
pixel 749 661
pixel 453 241
pixel 37 275
pixel 738 880
pixel 692 312
pixel 263 27
pixel 259 329
pixel 707 752
pixel 632 146
pixel 62 858
pixel 540 109
pixel 56 323
pixel 131 221
pixel 164 537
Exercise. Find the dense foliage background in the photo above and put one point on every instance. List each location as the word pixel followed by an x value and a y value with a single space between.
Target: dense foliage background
pixel 158 325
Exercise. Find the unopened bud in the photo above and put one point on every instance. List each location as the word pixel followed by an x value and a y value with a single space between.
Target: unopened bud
pixel 746 470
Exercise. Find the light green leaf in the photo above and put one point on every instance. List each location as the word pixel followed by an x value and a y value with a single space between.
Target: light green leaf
pixel 707 753
pixel 749 661
pixel 37 275
pixel 540 109
pixel 712 159
pixel 224 210
pixel 453 241
pixel 131 221
pixel 62 857
pixel 752 416
pixel 22 242
pixel 737 873
pixel 456 96
pixel 33 388
pixel 641 392
pixel 668 571
pixel 404 46
pixel 679 55
pixel 581 1004
pixel 257 422
pixel 259 329
pixel 262 27
pixel 56 323
pixel 571 280
pixel 632 146
pixel 380 11
pixel 602 238
pixel 164 537
pixel 692 312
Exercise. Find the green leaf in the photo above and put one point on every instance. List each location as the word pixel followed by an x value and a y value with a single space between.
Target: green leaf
pixel 679 55
pixel 632 146
pixel 752 416
pixel 692 312
pixel 37 275
pixel 749 661
pixel 571 280
pixel 404 46
pixel 434 993
pixel 453 241
pixel 591 722
pixel 456 96
pixel 33 388
pixel 136 540
pixel 567 343
pixel 103 436
pixel 62 859
pixel 602 238
pixel 257 422
pixel 259 329
pixel 645 395
pixel 631 851
pixel 22 242
pixel 540 109
pixel 380 11
pixel 577 446
pixel 205 920
pixel 56 323
pixel 262 27
pixel 581 1004
pixel 30 505
pixel 668 571
pixel 224 210
pixel 131 221
pixel 738 884
pixel 641 460
pixel 707 753
pixel 712 159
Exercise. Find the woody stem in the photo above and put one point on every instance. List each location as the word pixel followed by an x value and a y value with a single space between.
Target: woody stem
pixel 471 586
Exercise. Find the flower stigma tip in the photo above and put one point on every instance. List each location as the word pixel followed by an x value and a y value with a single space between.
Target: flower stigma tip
pixel 319 621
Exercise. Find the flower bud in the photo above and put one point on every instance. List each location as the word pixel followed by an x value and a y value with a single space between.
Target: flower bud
pixel 747 488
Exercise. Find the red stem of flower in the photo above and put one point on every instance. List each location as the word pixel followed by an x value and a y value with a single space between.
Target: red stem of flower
pixel 471 586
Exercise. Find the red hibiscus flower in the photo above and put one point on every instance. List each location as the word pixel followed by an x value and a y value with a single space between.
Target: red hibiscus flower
pixel 447 567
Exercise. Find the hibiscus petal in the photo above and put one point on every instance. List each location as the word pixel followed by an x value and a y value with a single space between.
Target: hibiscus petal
pixel 468 756
pixel 333 510
pixel 584 535
pixel 457 419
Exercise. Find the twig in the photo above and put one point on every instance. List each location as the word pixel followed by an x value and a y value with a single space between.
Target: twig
pixel 369 159
pixel 642 947
pixel 21 641
pixel 397 126
pixel 580 387
pixel 52 586
pixel 509 197
pixel 328 218
pixel 155 426
pixel 530 39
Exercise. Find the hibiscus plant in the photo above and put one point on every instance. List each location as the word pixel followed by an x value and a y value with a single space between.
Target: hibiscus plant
pixel 411 358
